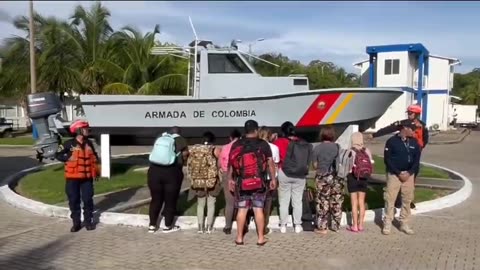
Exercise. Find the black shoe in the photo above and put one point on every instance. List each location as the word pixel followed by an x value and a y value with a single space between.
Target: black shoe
pixel 412 205
pixel 227 230
pixel 90 226
pixel 75 228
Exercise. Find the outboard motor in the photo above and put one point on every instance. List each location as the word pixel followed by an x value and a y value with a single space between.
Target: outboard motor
pixel 44 109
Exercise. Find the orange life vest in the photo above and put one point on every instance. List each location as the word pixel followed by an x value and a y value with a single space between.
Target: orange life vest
pixel 419 133
pixel 82 163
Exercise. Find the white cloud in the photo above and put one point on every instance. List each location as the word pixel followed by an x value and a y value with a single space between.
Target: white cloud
pixel 302 42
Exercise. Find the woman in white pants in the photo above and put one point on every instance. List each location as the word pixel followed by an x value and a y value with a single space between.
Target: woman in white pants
pixel 289 188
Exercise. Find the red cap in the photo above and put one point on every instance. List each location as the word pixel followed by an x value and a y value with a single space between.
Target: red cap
pixel 414 108
pixel 78 124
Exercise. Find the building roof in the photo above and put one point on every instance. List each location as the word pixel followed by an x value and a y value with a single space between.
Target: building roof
pixel 411 47
pixel 454 61
pixel 359 64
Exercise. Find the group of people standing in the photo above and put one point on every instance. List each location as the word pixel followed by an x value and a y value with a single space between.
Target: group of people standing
pixel 252 168
pixel 255 166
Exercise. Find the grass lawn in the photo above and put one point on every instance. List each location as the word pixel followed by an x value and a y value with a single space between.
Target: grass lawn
pixel 48 186
pixel 428 172
pixel 23 140
pixel 20 140
pixel 374 200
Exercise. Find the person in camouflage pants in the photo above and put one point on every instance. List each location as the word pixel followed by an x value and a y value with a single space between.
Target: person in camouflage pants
pixel 329 201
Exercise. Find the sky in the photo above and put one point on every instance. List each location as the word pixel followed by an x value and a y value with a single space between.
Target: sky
pixel 336 32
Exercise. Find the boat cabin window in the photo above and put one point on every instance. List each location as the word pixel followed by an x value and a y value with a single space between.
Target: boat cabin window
pixel 226 63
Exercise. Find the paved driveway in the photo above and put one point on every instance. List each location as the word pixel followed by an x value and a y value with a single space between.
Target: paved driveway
pixel 445 239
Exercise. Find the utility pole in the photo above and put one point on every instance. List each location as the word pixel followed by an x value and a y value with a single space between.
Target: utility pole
pixel 33 75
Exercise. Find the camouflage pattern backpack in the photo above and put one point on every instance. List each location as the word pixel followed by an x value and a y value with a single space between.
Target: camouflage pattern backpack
pixel 202 167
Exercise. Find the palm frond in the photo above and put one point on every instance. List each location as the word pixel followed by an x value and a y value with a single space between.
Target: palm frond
pixel 117 89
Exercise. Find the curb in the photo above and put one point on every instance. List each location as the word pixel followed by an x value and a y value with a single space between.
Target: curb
pixel 190 222
pixel 459 140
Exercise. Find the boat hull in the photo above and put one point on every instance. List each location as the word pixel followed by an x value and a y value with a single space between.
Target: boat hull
pixel 133 120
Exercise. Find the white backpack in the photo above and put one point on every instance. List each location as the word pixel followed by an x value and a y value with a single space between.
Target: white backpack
pixel 344 162
pixel 163 152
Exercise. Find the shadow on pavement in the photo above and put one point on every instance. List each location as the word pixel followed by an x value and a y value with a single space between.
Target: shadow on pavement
pixel 39 257
pixel 116 198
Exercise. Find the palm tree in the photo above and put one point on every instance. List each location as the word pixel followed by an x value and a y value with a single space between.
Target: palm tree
pixel 87 36
pixel 471 93
pixel 139 72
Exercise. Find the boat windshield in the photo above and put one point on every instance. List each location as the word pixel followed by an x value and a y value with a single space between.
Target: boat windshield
pixel 226 63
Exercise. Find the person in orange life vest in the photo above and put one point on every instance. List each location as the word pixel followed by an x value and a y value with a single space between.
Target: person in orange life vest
pixel 421 134
pixel 81 168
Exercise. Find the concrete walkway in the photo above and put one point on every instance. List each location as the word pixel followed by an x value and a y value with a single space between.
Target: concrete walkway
pixel 445 239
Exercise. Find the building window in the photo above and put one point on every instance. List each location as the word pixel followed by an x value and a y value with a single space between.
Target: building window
pixel 392 66
pixel 226 63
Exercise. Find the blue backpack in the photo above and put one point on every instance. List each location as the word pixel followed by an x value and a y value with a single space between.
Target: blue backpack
pixel 163 152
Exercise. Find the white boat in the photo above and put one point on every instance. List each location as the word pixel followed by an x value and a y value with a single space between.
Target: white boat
pixel 224 91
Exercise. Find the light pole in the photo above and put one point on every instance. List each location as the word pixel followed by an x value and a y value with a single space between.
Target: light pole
pixel 33 75
pixel 250 48
pixel 253 43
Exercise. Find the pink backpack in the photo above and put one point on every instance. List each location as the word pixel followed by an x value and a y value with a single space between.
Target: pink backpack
pixel 224 156
pixel 362 167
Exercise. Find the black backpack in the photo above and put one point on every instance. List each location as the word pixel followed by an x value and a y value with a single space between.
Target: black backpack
pixel 297 160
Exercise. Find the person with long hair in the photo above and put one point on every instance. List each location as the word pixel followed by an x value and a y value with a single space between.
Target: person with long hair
pixel 357 187
pixel 229 197
pixel 330 196
pixel 289 188
pixel 165 182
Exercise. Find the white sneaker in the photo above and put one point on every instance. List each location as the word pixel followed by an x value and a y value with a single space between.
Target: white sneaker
pixel 210 229
pixel 171 229
pixel 298 229
pixel 152 229
pixel 283 229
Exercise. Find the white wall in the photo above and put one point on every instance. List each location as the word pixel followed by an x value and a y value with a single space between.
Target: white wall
pixel 437 112
pixel 440 78
pixel 439 73
pixel 392 80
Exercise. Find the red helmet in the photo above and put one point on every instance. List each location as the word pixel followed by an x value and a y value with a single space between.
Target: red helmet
pixel 415 109
pixel 77 125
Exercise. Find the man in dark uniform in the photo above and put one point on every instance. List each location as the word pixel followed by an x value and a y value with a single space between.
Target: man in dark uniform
pixel 420 133
pixel 402 159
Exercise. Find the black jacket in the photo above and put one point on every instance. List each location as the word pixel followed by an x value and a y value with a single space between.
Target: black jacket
pixel 402 155
pixel 396 126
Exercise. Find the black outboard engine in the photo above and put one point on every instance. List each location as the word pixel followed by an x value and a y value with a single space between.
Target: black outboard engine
pixel 43 109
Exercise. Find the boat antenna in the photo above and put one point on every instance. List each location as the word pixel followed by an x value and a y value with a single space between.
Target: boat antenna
pixel 258 58
pixel 195 92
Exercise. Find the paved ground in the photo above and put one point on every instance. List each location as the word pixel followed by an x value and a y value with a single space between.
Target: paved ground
pixel 446 239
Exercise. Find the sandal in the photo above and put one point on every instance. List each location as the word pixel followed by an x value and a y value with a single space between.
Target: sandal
pixel 262 244
pixel 239 243
pixel 351 229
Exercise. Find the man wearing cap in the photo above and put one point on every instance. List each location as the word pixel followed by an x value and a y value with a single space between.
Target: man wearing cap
pixel 402 159
pixel 421 133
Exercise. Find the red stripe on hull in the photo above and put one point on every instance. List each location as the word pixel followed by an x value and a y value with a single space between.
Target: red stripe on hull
pixel 314 115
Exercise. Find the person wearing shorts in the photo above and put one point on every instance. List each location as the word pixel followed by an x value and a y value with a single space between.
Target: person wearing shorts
pixel 357 187
pixel 252 199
